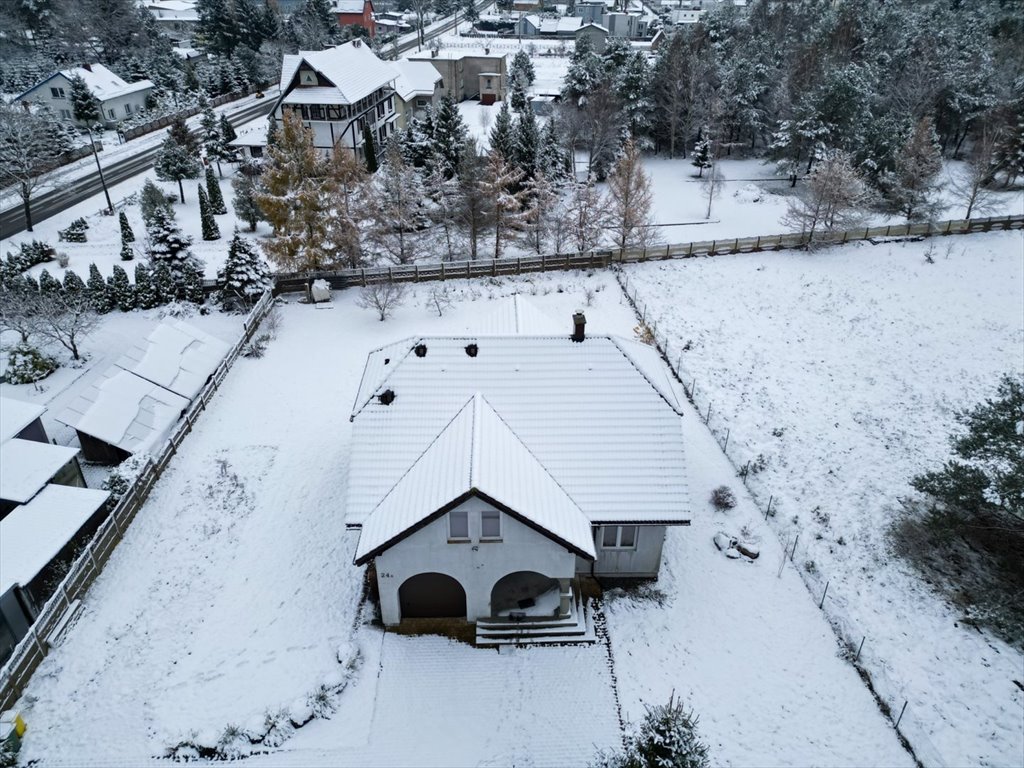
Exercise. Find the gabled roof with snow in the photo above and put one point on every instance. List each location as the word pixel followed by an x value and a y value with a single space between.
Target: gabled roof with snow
pixel 602 417
pixel 102 83
pixel 126 411
pixel 15 415
pixel 34 533
pixel 177 10
pixel 415 78
pixel 475 454
pixel 349 6
pixel 177 356
pixel 353 68
pixel 28 465
pixel 515 315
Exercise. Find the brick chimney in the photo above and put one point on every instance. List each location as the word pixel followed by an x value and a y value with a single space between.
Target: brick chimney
pixel 579 325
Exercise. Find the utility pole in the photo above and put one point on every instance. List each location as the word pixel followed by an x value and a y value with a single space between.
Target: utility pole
pixel 103 181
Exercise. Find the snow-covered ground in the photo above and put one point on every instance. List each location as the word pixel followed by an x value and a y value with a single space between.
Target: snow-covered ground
pixel 842 368
pixel 234 589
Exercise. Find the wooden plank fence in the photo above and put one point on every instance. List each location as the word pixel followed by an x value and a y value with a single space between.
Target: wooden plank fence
pixel 600 258
pixel 33 648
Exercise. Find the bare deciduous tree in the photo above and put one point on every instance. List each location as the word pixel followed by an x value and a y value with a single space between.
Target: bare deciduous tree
pixel 25 154
pixel 383 298
pixel 585 216
pixel 629 201
pixel 972 187
pixel 832 200
pixel 66 317
pixel 711 185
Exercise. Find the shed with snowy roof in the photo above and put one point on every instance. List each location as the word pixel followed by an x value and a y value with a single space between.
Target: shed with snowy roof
pixel 177 356
pixel 489 473
pixel 122 414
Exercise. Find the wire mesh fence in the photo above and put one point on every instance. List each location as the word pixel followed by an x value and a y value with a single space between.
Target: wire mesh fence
pixel 892 697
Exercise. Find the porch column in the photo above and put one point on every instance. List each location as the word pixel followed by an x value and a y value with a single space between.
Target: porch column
pixel 564 598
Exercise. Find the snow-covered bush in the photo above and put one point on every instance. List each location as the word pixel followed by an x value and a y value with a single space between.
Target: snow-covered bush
pixel 124 475
pixel 245 275
pixel 26 364
pixel 722 498
pixel 667 738
pixel 75 232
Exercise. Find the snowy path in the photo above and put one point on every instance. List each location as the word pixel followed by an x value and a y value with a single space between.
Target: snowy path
pixel 842 368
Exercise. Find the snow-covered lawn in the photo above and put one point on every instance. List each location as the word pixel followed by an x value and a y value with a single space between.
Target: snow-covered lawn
pixel 234 589
pixel 842 368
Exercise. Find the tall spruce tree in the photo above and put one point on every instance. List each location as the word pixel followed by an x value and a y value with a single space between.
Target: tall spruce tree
pixel 121 290
pixel 213 194
pixel 84 105
pixel 73 284
pixel 177 159
pixel 527 144
pixel 244 276
pixel 246 185
pixel 127 234
pixel 168 247
pixel 146 296
pixel 502 137
pixel 450 137
pixel 97 290
pixel 209 224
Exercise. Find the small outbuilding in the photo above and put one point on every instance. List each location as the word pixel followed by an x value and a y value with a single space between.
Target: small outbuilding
pixel 177 356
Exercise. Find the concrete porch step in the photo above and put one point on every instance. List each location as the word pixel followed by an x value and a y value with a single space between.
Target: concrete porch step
pixel 578 628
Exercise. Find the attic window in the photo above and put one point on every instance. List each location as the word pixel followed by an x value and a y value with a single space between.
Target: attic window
pixel 420 350
pixel 387 397
pixel 472 349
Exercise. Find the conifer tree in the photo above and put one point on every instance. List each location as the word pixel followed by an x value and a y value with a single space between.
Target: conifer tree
pixel 150 199
pixel 369 150
pixel 911 187
pixel 84 105
pixel 246 185
pixel 209 224
pixel 73 284
pixel 502 137
pixel 552 160
pixel 193 287
pixel 245 275
pixel 540 213
pixel 146 296
pixel 522 68
pixel 297 193
pixel 48 284
pixel 702 155
pixel 163 283
pixel 97 290
pixel 178 157
pixel 223 151
pixel 209 129
pixel 127 235
pixel 517 96
pixel 169 247
pixel 396 197
pixel 121 290
pixel 127 252
pixel 450 137
pixel 527 144
pixel 214 195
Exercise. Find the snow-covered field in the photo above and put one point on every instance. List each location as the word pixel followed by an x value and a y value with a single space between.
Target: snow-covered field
pixel 842 368
pixel 234 589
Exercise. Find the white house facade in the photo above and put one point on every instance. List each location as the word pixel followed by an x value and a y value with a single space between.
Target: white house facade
pixel 118 99
pixel 490 473
pixel 339 93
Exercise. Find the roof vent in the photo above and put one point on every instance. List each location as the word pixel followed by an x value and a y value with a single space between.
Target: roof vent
pixel 579 325
pixel 420 350
pixel 387 397
pixel 387 360
pixel 472 349
pixel 356 43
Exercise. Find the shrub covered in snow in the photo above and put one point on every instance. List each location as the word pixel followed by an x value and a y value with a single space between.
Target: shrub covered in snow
pixel 75 232
pixel 124 475
pixel 667 738
pixel 722 498
pixel 245 275
pixel 26 364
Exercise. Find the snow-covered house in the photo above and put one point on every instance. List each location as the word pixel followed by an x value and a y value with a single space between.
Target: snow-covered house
pixel 122 414
pixel 177 19
pixel 28 461
pixel 357 13
pixel 339 92
pixel 118 99
pixel 468 74
pixel 489 472
pixel 418 87
pixel 597 35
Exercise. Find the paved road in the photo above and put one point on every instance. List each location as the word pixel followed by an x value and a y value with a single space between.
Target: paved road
pixel 46 204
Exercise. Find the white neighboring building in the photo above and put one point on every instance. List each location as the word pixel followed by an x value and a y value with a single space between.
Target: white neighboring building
pixel 175 18
pixel 488 472
pixel 338 93
pixel 118 99
pixel 418 88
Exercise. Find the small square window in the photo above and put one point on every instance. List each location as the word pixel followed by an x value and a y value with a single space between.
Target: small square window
pixel 57 93
pixel 490 524
pixel 458 524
